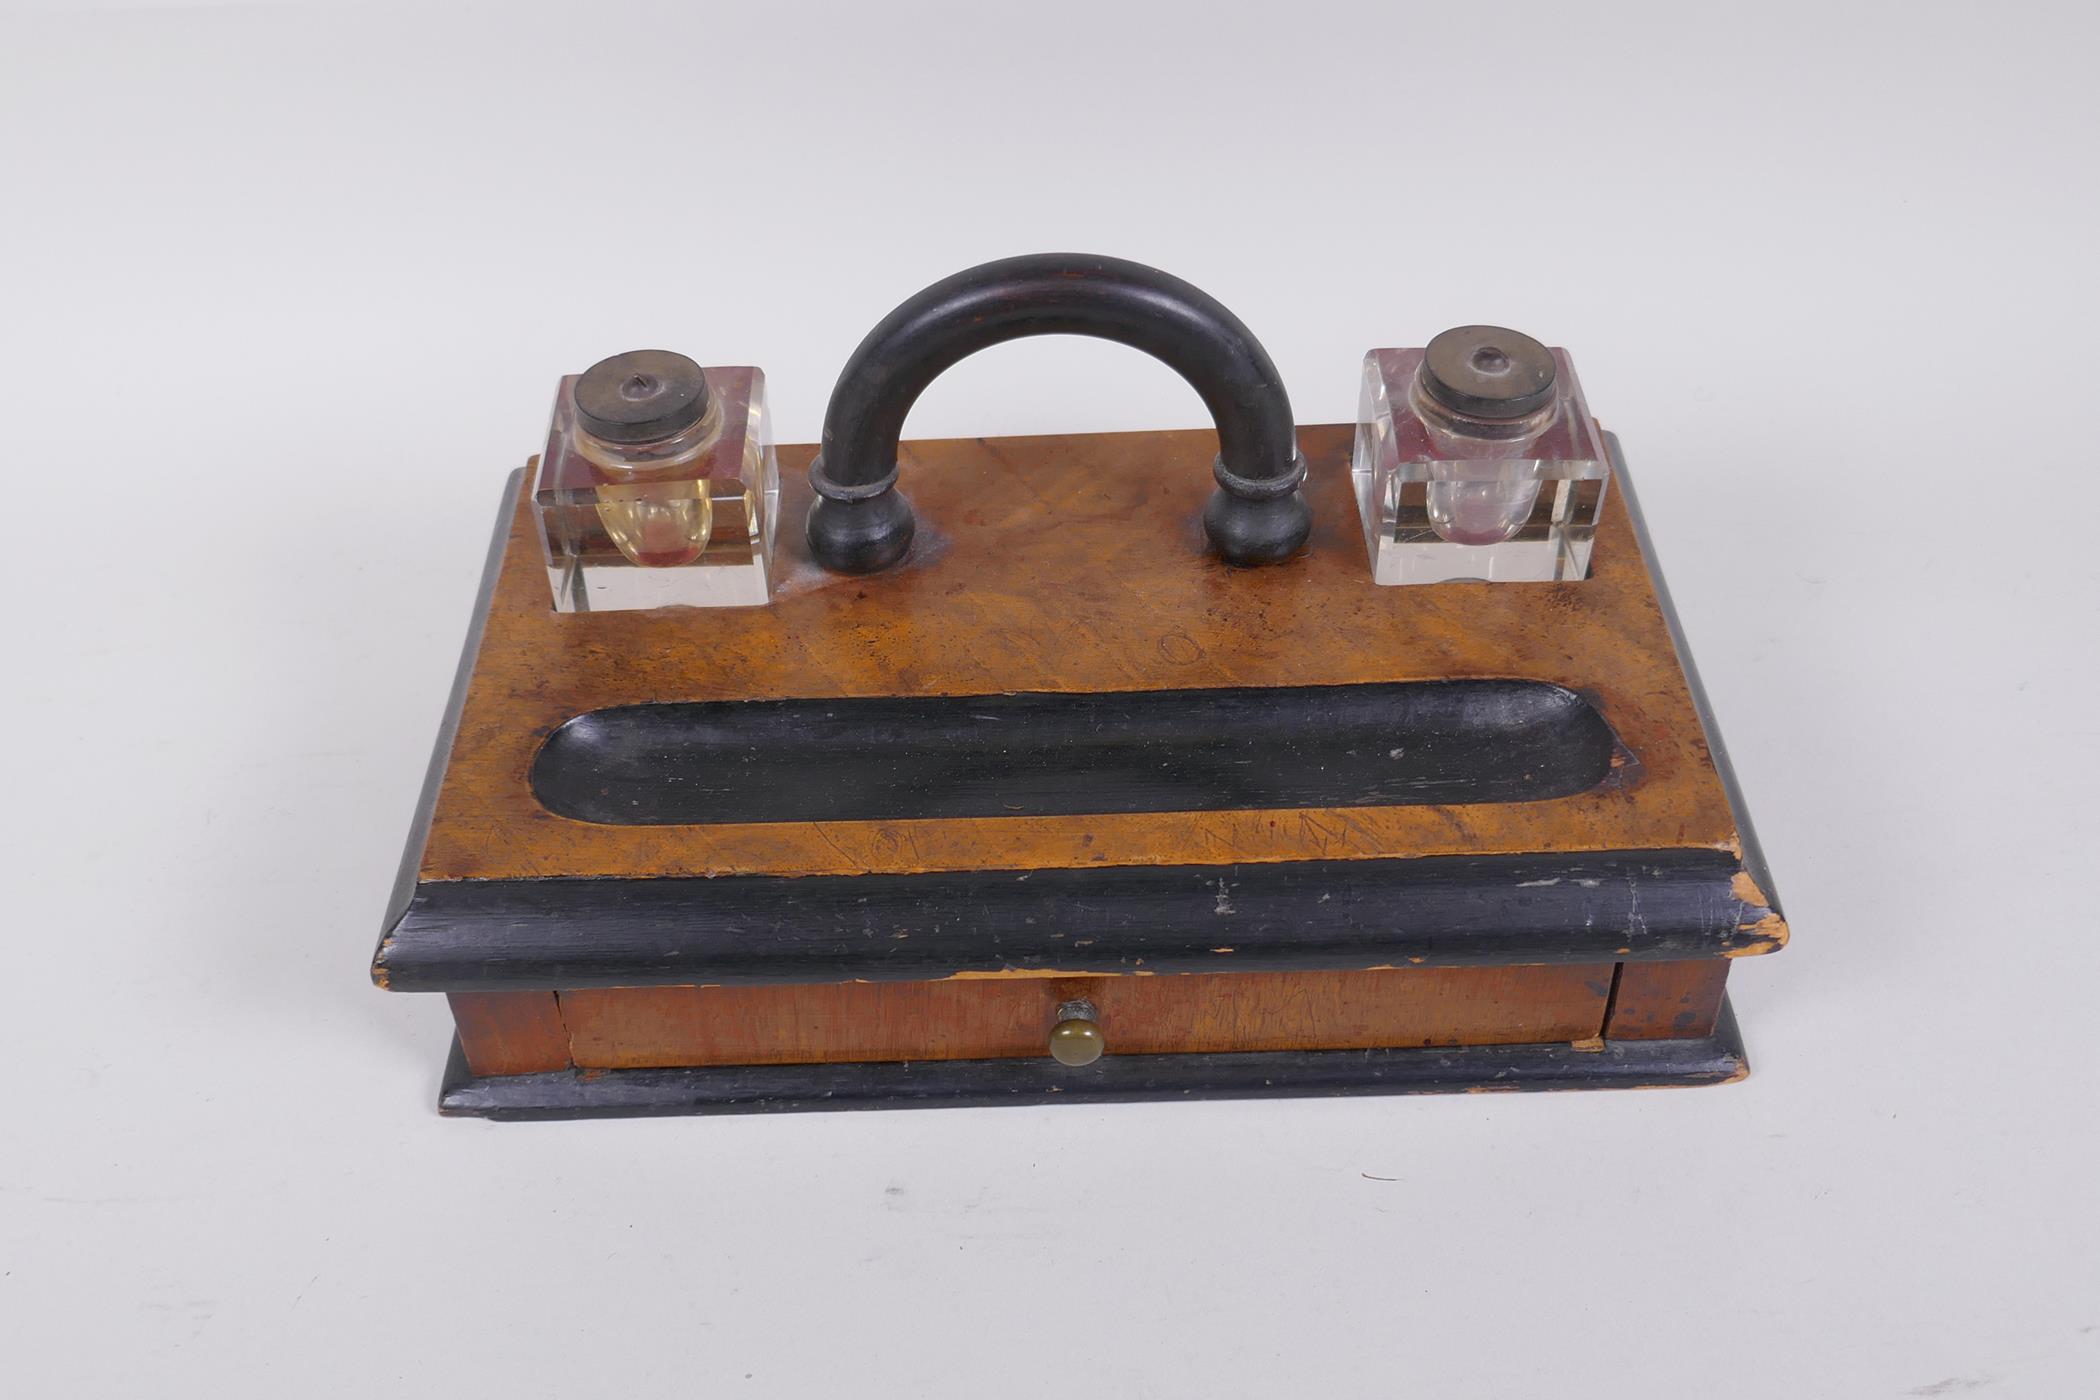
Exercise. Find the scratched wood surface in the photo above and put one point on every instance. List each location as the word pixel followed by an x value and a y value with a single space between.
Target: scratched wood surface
pixel 1073 563
pixel 1005 1018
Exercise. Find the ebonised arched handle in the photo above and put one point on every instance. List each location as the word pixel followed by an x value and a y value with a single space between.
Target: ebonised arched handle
pixel 1257 515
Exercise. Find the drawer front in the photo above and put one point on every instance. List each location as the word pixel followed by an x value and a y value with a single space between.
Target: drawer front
pixel 997 1017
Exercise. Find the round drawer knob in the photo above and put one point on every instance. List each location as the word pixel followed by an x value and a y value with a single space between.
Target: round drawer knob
pixel 1076 1039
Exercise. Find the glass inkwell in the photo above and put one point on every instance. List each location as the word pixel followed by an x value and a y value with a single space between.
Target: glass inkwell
pixel 658 486
pixel 1477 459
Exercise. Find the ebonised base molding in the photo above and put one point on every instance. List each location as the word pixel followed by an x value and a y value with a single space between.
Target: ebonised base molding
pixel 634 1093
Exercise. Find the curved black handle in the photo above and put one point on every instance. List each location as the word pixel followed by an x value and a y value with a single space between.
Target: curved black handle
pixel 1257 515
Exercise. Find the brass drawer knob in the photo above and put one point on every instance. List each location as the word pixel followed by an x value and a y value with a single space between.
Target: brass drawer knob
pixel 1076 1039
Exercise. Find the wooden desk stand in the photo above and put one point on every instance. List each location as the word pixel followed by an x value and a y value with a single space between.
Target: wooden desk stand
pixel 910 943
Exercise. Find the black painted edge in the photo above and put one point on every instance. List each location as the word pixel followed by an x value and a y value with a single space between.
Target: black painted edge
pixel 1753 852
pixel 1424 911
pixel 404 890
pixel 634 1093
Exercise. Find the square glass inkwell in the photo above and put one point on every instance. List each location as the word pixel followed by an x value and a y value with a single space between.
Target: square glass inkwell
pixel 1477 459
pixel 659 486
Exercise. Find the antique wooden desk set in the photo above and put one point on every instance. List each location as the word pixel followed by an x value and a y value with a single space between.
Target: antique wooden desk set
pixel 1274 761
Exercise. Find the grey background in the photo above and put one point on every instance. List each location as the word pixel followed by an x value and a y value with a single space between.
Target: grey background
pixel 283 294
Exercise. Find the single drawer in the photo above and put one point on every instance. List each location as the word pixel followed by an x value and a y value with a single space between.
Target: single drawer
pixel 1004 1017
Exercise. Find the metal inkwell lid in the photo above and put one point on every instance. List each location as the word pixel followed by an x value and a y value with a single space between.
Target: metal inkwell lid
pixel 1488 372
pixel 641 396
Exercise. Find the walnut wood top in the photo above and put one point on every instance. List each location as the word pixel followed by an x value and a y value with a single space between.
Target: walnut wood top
pixel 1074 563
